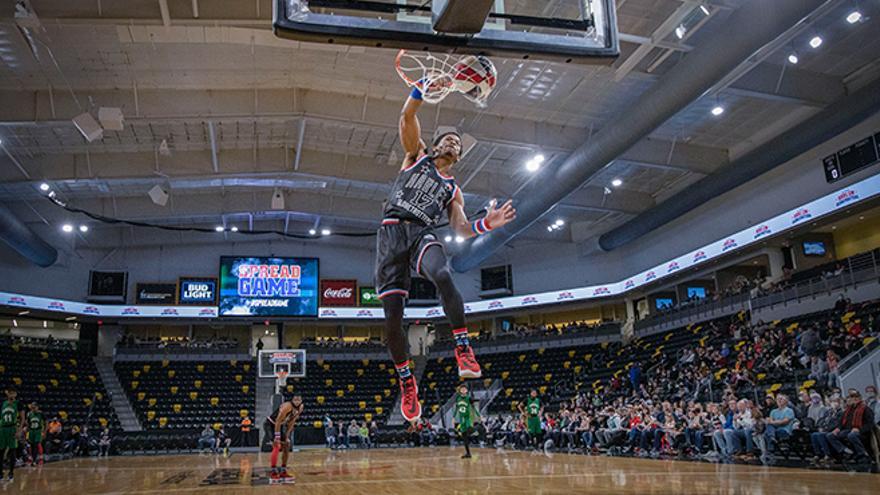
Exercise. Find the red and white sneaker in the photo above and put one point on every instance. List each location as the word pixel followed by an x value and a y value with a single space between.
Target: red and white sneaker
pixel 468 367
pixel 409 400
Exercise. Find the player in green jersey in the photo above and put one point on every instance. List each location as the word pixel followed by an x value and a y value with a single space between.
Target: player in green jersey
pixel 11 422
pixel 36 432
pixel 533 411
pixel 465 416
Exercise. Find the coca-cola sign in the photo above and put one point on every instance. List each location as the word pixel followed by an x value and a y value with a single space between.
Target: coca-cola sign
pixel 338 292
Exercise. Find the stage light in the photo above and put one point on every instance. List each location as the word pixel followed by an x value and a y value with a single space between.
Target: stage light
pixel 816 42
pixel 219 228
pixel 325 231
pixel 234 229
pixel 312 232
pixel 83 228
pixel 448 238
pixel 535 163
pixel 559 222
pixel 44 187
pixel 616 182
pixel 459 239
pixel 854 17
pixel 717 110
pixel 67 228
pixel 793 58
pixel 680 31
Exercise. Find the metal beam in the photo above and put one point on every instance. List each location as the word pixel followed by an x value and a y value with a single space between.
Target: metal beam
pixel 166 16
pixel 215 162
pixel 658 35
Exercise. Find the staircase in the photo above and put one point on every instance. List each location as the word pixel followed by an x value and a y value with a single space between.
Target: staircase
pixel 118 398
pixel 419 364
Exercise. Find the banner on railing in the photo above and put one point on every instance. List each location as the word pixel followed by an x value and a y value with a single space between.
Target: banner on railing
pixel 828 204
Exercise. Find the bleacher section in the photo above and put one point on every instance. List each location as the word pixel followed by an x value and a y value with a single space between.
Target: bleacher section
pixel 65 383
pixel 364 390
pixel 187 395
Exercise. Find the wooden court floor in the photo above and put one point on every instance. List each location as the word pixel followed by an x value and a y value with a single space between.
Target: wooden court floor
pixel 426 471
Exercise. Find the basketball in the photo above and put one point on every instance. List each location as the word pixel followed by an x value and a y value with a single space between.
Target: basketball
pixel 475 75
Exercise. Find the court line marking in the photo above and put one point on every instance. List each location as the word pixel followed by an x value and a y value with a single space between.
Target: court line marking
pixel 299 482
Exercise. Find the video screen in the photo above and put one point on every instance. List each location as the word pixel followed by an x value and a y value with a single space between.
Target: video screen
pixel 814 248
pixel 663 302
pixel 268 286
pixel 696 292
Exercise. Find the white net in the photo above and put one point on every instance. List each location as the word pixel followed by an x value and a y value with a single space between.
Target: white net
pixel 474 76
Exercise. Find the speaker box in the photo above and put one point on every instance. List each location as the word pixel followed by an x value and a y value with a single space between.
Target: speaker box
pixel 88 127
pixel 158 195
pixel 111 118
pixel 277 200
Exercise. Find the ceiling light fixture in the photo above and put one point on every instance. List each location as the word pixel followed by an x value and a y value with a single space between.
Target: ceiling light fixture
pixel 535 163
pixel 234 229
pixel 83 228
pixel 459 239
pixel 705 10
pixel 717 110
pixel 312 231
pixel 559 222
pixel 854 17
pixel 680 31
pixel 616 182
pixel 67 228
pixel 44 187
pixel 793 58
pixel 325 231
pixel 816 41
pixel 448 238
pixel 219 228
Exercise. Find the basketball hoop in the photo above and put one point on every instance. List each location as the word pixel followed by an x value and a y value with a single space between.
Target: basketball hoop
pixel 437 76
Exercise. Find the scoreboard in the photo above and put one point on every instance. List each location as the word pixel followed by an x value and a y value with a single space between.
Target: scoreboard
pixel 852 158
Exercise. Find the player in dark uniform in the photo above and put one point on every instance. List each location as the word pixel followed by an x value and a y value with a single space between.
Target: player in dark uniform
pixel 11 422
pixel 406 241
pixel 36 432
pixel 465 416
pixel 279 426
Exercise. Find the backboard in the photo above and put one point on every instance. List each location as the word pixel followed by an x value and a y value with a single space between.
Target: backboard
pixel 291 360
pixel 583 31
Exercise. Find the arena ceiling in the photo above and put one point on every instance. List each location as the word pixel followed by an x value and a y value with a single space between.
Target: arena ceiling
pixel 244 113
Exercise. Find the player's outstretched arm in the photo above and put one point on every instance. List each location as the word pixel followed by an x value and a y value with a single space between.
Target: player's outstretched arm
pixel 410 129
pixel 495 217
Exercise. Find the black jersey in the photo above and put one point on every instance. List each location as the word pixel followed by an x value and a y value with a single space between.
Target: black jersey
pixel 420 193
pixel 294 413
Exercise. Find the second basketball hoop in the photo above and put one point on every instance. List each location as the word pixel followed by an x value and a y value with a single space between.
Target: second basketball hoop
pixel 474 76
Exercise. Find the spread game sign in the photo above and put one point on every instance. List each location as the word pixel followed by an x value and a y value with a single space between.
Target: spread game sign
pixel 268 286
pixel 338 292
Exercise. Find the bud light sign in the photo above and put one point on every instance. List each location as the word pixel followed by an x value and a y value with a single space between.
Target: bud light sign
pixel 197 291
pixel 338 293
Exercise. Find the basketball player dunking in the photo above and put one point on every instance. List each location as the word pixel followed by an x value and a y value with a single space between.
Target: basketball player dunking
pixel 279 426
pixel 406 241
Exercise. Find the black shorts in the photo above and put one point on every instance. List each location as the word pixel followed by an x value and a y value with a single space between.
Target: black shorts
pixel 269 430
pixel 400 245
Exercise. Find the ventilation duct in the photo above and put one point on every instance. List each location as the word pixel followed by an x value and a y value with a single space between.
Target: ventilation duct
pixel 837 118
pixel 23 240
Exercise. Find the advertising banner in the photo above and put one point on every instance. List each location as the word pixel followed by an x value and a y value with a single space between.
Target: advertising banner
pixel 268 286
pixel 155 294
pixel 197 291
pixel 338 293
pixel 367 297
